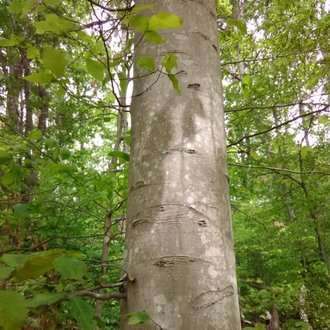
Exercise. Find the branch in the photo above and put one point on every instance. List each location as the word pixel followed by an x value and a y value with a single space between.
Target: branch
pixel 98 296
pixel 277 169
pixel 111 10
pixel 253 107
pixel 277 126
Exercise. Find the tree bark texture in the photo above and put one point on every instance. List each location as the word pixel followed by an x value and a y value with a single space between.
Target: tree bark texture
pixel 179 250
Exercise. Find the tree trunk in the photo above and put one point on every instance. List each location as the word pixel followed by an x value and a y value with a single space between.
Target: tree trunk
pixel 179 249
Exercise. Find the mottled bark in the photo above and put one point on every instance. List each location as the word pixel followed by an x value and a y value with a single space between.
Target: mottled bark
pixel 179 251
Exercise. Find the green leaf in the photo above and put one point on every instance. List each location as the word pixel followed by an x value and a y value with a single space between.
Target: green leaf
pixel 4 156
pixel 137 9
pixel 43 299
pixel 246 80
pixel 32 52
pixel 54 59
pixel 164 20
pixel 38 264
pixel 5 272
pixel 8 178
pixel 35 135
pixel 16 6
pixel 21 210
pixel 169 62
pixel 139 23
pixel 41 77
pixel 13 259
pixel 175 83
pixel 154 37
pixel 52 3
pixel 147 63
pixel 241 26
pixel 136 318
pixel 121 155
pixel 14 40
pixel 95 69
pixel 29 6
pixel 82 312
pixel 54 24
pixel 70 268
pixel 13 311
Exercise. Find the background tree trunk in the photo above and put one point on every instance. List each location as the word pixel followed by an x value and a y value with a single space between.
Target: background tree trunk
pixel 179 251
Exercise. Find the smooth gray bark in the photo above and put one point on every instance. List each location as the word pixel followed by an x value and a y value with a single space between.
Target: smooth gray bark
pixel 179 251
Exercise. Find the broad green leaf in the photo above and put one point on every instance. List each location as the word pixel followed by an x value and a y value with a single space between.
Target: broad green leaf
pixel 96 69
pixel 54 59
pixel 137 9
pixel 7 178
pixel 164 20
pixel 13 260
pixel 32 52
pixel 13 311
pixel 154 37
pixel 43 299
pixel 14 40
pixel 121 155
pixel 29 6
pixel 4 156
pixel 169 62
pixel 246 80
pixel 147 63
pixel 70 268
pixel 82 312
pixel 128 138
pixel 123 82
pixel 260 326
pixel 21 210
pixel 37 265
pixel 54 24
pixel 35 135
pixel 5 271
pixel 323 119
pixel 41 77
pixel 137 318
pixel 175 83
pixel 139 23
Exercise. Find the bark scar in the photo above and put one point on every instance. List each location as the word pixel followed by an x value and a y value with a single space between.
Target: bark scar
pixel 170 261
pixel 211 297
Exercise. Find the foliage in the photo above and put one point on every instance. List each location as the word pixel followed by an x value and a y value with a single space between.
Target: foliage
pixel 64 152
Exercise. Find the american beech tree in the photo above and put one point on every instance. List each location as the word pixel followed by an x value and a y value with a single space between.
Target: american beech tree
pixel 179 257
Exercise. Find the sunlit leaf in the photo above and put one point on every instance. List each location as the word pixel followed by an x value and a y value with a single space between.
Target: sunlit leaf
pixel 35 135
pixel 41 77
pixel 169 62
pixel 96 69
pixel 136 318
pixel 164 20
pixel 175 83
pixel 14 40
pixel 54 59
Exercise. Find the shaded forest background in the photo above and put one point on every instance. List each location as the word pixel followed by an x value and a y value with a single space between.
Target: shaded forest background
pixel 65 82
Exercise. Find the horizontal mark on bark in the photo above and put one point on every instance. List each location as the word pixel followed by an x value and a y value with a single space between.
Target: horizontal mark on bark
pixel 170 261
pixel 211 297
